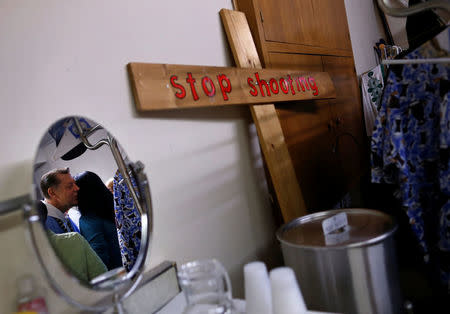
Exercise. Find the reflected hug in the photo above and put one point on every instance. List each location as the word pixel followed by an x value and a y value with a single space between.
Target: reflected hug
pixel 84 237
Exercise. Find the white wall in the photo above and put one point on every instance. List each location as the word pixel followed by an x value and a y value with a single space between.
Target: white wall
pixel 59 58
pixel 69 57
pixel 365 30
pixel 397 26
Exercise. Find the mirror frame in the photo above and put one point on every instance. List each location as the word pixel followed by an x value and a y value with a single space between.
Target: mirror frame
pixel 124 284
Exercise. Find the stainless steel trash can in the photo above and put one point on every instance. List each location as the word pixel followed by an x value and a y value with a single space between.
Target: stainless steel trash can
pixel 353 270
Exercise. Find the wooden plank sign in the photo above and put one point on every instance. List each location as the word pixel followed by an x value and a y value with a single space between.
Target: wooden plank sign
pixel 166 86
pixel 271 137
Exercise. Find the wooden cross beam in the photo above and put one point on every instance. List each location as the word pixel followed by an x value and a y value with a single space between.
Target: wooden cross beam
pixel 164 86
pixel 271 138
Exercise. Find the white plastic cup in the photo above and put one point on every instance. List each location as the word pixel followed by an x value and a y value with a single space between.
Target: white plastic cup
pixel 258 295
pixel 286 295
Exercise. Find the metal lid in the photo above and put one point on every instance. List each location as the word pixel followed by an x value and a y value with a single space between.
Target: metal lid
pixel 365 227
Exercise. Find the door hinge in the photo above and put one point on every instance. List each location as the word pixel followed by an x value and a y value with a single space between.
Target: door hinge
pixel 261 15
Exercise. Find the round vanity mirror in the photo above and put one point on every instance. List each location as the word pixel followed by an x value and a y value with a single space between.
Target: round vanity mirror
pixel 93 205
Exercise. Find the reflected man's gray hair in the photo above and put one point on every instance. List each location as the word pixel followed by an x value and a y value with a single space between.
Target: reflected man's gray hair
pixel 50 179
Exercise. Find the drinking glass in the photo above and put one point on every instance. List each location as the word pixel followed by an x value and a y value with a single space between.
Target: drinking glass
pixel 206 286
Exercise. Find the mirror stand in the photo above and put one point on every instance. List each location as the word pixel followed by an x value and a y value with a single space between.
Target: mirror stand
pixel 119 291
pixel 118 283
pixel 152 290
pixel 118 306
pixel 134 276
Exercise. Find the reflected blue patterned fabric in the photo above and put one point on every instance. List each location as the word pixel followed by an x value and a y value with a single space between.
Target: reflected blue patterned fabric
pixel 410 148
pixel 128 221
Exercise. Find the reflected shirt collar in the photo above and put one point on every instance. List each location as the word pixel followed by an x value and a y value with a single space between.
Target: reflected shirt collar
pixel 53 211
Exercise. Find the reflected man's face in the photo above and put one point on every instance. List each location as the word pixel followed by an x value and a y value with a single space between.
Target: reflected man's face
pixel 66 193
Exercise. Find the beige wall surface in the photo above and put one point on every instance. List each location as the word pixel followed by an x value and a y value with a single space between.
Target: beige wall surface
pixel 365 30
pixel 61 58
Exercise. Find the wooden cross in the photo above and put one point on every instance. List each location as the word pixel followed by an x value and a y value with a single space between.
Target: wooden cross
pixel 163 86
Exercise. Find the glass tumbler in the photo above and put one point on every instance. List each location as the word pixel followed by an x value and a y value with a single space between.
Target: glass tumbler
pixel 206 286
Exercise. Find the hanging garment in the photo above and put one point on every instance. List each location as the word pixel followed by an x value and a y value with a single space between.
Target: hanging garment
pixel 128 221
pixel 410 148
pixel 372 83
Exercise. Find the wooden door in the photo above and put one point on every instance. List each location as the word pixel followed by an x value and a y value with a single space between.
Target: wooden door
pixel 288 21
pixel 318 23
pixel 331 20
pixel 309 136
pixel 325 139
pixel 349 143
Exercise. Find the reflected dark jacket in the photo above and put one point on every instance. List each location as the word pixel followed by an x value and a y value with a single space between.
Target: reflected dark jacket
pixel 102 236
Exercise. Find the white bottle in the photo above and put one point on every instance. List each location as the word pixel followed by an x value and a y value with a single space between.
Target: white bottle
pixel 29 297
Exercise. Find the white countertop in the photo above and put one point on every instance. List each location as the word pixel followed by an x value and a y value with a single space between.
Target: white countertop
pixel 177 304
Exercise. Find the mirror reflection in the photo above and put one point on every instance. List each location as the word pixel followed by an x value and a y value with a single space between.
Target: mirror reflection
pixel 84 202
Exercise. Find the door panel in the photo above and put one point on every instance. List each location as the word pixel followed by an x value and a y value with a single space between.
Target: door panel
pixel 349 143
pixel 308 135
pixel 288 21
pixel 319 23
pixel 332 24
pixel 325 139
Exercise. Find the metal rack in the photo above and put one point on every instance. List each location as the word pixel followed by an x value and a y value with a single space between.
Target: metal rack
pixel 402 12
pixel 406 11
pixel 112 143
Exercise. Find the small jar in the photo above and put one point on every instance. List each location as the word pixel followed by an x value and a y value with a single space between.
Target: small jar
pixel 207 288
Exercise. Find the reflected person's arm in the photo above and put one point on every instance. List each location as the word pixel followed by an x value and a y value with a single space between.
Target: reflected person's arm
pixel 94 264
pixel 77 255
